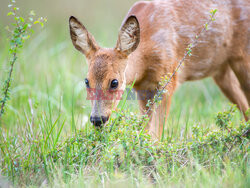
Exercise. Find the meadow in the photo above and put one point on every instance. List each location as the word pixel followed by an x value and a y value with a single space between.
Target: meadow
pixel 46 139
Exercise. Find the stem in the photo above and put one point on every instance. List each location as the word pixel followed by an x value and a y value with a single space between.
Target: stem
pixel 8 81
pixel 187 53
pixel 12 63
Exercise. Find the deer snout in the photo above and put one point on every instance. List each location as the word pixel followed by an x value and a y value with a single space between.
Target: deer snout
pixel 98 121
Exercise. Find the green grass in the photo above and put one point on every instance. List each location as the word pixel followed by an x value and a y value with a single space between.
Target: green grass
pixel 46 138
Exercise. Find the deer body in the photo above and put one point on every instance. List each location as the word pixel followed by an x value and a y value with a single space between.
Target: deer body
pixel 153 39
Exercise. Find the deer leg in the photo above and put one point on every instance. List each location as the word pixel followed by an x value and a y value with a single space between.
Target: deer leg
pixel 241 69
pixel 158 115
pixel 231 87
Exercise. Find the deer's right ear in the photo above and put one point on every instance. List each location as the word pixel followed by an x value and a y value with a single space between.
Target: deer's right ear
pixel 81 38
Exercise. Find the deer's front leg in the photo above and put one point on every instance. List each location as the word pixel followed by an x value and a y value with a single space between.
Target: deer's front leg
pixel 158 114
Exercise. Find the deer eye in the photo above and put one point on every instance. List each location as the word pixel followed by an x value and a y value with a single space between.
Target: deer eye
pixel 87 82
pixel 114 84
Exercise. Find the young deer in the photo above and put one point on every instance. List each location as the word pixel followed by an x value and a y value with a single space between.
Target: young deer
pixel 152 40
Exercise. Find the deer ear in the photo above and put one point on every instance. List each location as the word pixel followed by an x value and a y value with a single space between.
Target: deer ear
pixel 81 38
pixel 129 36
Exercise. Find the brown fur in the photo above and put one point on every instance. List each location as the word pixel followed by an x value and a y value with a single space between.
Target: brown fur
pixel 166 28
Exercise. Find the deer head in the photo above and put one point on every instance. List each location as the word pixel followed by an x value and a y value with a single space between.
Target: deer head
pixel 106 67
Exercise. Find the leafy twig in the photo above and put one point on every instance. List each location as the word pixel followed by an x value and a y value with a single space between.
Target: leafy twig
pixel 188 53
pixel 19 35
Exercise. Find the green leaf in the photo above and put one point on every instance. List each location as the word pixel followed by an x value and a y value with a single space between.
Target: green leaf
pixel 13 24
pixel 21 19
pixel 32 31
pixel 25 26
pixel 215 10
pixel 10 13
pixel 42 24
pixel 150 159
pixel 206 26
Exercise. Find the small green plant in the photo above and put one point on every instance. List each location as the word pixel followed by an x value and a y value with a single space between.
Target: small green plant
pixel 20 31
pixel 224 119
pixel 127 149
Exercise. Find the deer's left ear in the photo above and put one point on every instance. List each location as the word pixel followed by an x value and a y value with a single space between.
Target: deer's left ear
pixel 129 36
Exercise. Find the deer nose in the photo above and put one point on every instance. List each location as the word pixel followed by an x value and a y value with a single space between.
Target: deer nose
pixel 98 121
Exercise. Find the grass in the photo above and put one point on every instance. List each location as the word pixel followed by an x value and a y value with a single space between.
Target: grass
pixel 47 140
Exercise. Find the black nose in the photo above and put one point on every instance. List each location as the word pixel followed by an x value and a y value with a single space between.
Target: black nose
pixel 98 121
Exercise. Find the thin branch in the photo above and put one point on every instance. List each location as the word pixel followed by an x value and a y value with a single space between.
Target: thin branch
pixel 187 53
pixel 7 82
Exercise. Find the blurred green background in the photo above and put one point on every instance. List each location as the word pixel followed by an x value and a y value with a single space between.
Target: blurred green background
pixel 102 18
pixel 49 73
